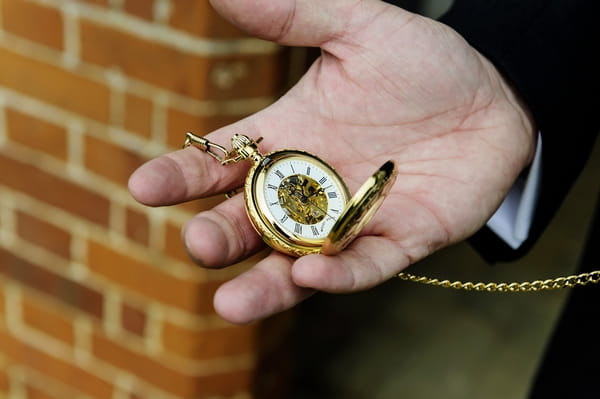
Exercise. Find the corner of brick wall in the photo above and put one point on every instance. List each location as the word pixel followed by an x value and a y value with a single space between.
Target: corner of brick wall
pixel 97 297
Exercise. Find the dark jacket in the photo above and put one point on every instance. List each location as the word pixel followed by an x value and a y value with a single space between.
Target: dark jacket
pixel 549 50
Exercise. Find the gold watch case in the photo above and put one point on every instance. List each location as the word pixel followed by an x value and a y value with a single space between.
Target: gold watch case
pixel 297 202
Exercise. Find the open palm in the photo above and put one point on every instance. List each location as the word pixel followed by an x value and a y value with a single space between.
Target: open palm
pixel 388 85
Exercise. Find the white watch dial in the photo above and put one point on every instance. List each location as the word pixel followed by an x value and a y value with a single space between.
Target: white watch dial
pixel 304 198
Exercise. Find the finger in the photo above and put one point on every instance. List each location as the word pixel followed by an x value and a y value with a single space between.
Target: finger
pixel 291 22
pixel 189 173
pixel 369 261
pixel 264 290
pixel 297 22
pixel 182 176
pixel 222 236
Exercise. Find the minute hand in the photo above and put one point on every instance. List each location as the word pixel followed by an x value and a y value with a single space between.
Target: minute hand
pixel 319 208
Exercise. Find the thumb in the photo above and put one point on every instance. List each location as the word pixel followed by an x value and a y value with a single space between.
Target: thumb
pixel 295 22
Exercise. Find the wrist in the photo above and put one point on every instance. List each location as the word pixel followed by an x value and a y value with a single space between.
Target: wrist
pixel 530 131
pixel 517 118
pixel 527 134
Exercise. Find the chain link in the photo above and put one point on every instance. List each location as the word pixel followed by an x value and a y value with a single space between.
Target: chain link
pixel 525 286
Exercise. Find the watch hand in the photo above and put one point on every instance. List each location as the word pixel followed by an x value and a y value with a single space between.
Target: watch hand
pixel 320 209
pixel 320 190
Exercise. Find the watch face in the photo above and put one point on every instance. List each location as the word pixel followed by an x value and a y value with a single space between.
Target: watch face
pixel 299 196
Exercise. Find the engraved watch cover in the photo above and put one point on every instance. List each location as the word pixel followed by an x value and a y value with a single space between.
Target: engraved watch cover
pixel 360 209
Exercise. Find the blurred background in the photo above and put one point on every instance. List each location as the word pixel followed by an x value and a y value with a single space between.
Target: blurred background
pixel 97 296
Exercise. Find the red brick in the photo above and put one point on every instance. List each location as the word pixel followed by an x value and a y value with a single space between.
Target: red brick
pixel 38 393
pixel 253 76
pixel 199 18
pixel 44 234
pixel 54 190
pixel 2 303
pixel 149 61
pixel 4 381
pixel 49 318
pixel 67 291
pixel 156 371
pixel 138 115
pixel 36 133
pixel 207 344
pixel 133 319
pixel 173 243
pixel 54 85
pixel 96 2
pixel 60 369
pixel 109 160
pixel 176 70
pixel 33 21
pixel 137 226
pixel 180 122
pixel 141 9
pixel 147 279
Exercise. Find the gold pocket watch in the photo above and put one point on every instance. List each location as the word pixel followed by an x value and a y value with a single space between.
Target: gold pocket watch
pixel 298 203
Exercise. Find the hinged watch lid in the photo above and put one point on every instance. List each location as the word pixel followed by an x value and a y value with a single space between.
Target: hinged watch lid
pixel 360 209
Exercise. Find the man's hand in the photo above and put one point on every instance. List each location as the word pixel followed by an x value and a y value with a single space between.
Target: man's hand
pixel 388 85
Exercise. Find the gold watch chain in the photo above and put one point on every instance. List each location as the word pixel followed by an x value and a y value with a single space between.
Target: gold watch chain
pixel 524 286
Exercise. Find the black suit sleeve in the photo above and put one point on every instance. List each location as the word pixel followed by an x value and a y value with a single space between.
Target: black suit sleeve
pixel 549 51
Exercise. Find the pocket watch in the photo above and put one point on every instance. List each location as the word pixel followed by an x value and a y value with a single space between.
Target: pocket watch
pixel 297 202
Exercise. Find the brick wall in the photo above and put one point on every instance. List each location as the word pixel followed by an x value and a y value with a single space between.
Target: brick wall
pixel 97 297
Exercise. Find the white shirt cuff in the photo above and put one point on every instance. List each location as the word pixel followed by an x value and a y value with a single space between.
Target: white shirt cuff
pixel 512 221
